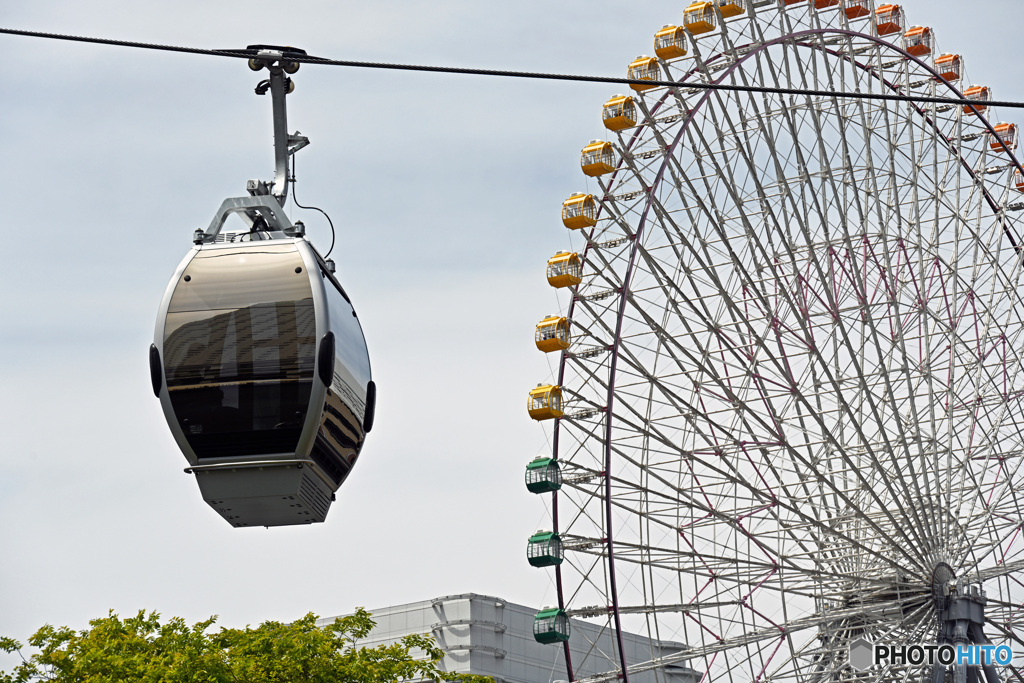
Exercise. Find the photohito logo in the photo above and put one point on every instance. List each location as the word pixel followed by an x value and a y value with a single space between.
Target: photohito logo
pixel 864 654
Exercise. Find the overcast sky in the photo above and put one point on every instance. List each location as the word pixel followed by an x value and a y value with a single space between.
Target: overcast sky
pixel 446 193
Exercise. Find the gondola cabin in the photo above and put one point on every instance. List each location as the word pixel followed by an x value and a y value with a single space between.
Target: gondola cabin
pixel 545 402
pixel 1018 180
pixel 565 270
pixel 262 371
pixel 825 4
pixel 732 8
pixel 918 41
pixel 543 475
pixel 544 549
pixel 787 3
pixel 980 95
pixel 597 158
pixel 700 18
pixel 551 625
pixel 1004 138
pixel 889 20
pixel 619 113
pixel 949 67
pixel 552 334
pixel 643 68
pixel 857 9
pixel 579 211
pixel 670 42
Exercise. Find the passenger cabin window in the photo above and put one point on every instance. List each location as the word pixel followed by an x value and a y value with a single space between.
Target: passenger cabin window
pixel 239 350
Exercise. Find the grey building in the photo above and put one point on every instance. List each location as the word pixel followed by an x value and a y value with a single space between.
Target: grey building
pixel 485 635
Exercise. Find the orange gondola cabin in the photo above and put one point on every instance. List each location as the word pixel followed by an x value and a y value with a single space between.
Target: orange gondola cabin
pixel 857 9
pixel 1005 134
pixel 981 95
pixel 889 20
pixel 825 4
pixel 918 41
pixel 950 67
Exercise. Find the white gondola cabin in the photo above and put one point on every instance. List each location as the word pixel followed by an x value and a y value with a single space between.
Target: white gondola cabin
pixel 700 18
pixel 545 402
pixel 949 67
pixel 619 113
pixel 552 334
pixel 565 270
pixel 670 42
pixel 579 211
pixel 643 68
pixel 597 158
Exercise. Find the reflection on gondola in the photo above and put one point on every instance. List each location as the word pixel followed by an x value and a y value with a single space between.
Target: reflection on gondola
pixel 265 377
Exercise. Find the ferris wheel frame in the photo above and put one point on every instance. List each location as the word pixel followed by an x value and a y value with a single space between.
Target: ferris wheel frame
pixel 813 39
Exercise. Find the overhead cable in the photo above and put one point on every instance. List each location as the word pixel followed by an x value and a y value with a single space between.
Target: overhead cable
pixel 308 59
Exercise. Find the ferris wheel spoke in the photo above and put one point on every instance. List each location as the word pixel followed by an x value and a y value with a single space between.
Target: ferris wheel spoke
pixel 712 157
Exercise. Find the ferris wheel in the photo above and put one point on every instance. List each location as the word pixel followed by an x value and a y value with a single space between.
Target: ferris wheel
pixel 788 409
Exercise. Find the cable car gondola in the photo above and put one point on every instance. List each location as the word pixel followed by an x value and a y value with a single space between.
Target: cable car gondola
pixel 259 360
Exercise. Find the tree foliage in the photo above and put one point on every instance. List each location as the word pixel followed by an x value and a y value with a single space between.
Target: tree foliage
pixel 140 649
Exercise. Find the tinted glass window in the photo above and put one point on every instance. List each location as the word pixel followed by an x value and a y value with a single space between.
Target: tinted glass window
pixel 239 363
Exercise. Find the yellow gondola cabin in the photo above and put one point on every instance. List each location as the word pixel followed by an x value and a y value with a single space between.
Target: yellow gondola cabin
pixel 670 42
pixel 545 402
pixel 565 269
pixel 552 334
pixel 597 158
pixel 700 18
pixel 643 68
pixel 732 8
pixel 579 211
pixel 619 113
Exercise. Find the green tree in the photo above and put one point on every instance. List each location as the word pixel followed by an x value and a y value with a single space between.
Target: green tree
pixel 141 649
